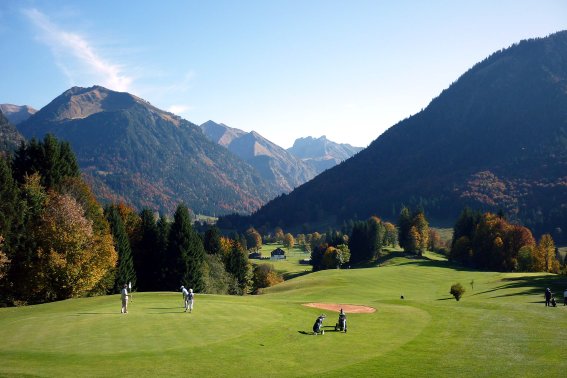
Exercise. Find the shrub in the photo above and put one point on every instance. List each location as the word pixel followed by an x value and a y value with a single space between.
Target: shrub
pixel 457 291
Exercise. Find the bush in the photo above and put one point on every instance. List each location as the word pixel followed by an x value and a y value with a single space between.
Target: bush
pixel 265 276
pixel 457 291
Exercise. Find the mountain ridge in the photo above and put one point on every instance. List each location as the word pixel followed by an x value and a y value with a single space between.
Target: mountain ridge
pixel 496 139
pixel 131 151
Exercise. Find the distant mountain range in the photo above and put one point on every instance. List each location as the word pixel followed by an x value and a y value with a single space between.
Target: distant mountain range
pixel 322 153
pixel 134 152
pixel 496 139
pixel 17 114
pixel 273 163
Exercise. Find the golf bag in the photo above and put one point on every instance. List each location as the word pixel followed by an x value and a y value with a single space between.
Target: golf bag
pixel 341 325
pixel 317 327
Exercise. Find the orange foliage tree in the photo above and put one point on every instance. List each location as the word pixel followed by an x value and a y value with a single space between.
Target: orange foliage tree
pixel 72 258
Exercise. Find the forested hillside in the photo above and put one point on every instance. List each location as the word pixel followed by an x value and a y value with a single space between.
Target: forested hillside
pixel 496 139
pixel 131 151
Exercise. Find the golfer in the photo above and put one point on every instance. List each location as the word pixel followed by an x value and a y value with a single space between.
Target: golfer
pixel 547 297
pixel 185 297
pixel 124 296
pixel 565 298
pixel 190 300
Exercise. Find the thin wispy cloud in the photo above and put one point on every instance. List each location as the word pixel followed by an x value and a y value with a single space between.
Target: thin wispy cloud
pixel 179 109
pixel 76 57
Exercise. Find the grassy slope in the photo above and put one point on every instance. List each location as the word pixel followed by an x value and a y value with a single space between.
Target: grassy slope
pixel 500 327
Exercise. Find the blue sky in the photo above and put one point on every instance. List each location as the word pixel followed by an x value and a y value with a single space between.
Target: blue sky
pixel 286 69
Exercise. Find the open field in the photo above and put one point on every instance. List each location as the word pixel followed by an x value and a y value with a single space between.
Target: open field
pixel 289 267
pixel 499 328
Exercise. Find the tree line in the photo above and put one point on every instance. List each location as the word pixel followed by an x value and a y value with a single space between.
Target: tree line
pixel 58 242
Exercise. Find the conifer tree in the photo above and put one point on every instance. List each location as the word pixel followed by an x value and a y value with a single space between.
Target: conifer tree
pixel 185 253
pixel 125 272
pixel 212 241
pixel 147 254
pixel 404 226
pixel 238 266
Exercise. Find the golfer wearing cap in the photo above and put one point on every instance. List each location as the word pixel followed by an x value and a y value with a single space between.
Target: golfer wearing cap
pixel 185 297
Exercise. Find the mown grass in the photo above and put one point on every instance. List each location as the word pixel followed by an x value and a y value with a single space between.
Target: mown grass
pixel 499 328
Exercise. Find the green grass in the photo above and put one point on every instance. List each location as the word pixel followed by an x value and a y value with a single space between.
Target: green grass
pixel 499 328
pixel 290 267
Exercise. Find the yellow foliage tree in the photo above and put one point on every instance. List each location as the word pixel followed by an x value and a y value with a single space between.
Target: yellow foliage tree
pixel 72 258
pixel 4 260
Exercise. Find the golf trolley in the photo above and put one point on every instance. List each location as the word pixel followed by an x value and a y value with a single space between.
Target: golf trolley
pixel 341 325
pixel 318 326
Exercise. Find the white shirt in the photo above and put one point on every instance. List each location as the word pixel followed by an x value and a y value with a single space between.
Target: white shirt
pixel 185 292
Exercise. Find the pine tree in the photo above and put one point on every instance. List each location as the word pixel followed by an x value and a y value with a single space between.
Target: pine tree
pixel 125 272
pixel 146 253
pixel 238 266
pixel 163 229
pixel 404 226
pixel 212 241
pixel 186 255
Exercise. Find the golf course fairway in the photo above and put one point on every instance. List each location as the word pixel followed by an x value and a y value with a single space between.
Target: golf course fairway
pixel 499 328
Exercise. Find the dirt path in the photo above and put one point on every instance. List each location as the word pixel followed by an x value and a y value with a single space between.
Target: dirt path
pixel 347 308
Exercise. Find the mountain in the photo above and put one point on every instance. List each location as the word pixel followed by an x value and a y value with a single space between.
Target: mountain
pixel 17 114
pixel 496 139
pixel 321 152
pixel 10 138
pixel 274 163
pixel 134 152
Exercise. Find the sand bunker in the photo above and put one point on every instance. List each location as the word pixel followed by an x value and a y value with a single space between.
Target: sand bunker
pixel 347 308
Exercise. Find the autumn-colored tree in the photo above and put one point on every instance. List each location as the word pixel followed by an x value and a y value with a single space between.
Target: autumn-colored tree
pixel 266 276
pixel 4 261
pixel 72 258
pixel 300 240
pixel 435 242
pixel 253 239
pixel 279 234
pixel 545 254
pixel 131 220
pixel 238 265
pixel 390 234
pixel 225 246
pixel 422 227
pixel 414 241
pixel 288 241
pixel 335 257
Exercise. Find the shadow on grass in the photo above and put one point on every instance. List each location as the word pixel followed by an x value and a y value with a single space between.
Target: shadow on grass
pixel 289 275
pixel 99 313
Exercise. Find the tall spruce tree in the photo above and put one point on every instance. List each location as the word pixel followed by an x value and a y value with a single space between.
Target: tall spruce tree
pixel 404 227
pixel 237 265
pixel 185 253
pixel 212 241
pixel 125 272
pixel 163 228
pixel 147 254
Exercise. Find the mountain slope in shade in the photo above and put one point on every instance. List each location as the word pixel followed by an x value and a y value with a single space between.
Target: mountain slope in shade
pixel 10 138
pixel 17 114
pixel 273 163
pixel 132 151
pixel 321 152
pixel 495 139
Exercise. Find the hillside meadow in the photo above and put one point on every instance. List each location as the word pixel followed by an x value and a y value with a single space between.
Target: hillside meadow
pixel 499 328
